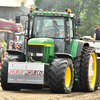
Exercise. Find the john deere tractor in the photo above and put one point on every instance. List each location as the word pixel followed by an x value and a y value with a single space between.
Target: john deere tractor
pixel 52 57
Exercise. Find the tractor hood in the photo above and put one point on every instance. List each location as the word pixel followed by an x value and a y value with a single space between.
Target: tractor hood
pixel 41 41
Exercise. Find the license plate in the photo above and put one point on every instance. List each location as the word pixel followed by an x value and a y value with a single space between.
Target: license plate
pixel 28 73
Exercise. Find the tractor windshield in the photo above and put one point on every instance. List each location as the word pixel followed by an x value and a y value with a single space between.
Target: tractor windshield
pixel 49 27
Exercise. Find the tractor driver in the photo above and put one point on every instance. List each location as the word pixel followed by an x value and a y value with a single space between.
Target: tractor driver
pixel 97 32
pixel 57 34
pixel 56 30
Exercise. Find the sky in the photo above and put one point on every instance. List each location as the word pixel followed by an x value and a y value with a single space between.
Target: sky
pixel 30 2
pixel 15 3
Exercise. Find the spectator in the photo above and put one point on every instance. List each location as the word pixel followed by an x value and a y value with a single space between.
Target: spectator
pixel 4 44
pixel 97 32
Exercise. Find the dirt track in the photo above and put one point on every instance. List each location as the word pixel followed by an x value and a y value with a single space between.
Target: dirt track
pixel 45 94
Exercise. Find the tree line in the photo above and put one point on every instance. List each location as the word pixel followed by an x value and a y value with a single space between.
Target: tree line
pixel 87 10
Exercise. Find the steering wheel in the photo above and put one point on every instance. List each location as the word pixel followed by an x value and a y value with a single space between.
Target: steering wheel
pixel 48 31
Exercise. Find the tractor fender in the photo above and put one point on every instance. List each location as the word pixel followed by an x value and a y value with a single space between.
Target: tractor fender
pixel 17 52
pixel 63 55
pixel 81 44
pixel 76 46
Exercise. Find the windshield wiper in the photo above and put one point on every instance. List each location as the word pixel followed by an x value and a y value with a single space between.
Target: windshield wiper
pixel 55 22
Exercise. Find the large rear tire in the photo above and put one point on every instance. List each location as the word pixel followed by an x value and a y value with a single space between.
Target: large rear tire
pixel 4 73
pixel 61 76
pixel 88 70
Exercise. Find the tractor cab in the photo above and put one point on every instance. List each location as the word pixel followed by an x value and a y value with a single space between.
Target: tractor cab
pixel 50 27
pixel 52 31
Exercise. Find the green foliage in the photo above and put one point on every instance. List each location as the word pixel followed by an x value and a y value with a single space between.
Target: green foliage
pixel 87 10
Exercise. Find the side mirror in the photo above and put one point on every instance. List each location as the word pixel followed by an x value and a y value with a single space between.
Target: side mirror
pixel 17 19
pixel 77 21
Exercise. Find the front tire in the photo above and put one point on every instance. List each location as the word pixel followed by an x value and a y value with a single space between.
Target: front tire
pixel 4 73
pixel 61 76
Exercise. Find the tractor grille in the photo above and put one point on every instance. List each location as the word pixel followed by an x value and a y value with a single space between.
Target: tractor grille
pixel 34 49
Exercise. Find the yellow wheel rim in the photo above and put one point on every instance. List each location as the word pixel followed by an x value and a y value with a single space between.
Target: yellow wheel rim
pixel 1 56
pixel 92 70
pixel 67 77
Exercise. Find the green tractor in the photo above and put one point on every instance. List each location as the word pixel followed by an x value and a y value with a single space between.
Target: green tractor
pixel 52 57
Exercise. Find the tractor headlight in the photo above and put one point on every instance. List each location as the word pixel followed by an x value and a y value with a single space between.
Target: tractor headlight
pixel 39 54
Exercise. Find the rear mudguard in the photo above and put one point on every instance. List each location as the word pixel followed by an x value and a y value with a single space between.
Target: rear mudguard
pixel 76 46
pixel 63 55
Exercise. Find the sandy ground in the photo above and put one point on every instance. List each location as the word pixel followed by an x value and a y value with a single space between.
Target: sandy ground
pixel 45 94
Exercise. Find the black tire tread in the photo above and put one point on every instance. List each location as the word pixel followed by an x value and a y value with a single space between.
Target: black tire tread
pixel 57 76
pixel 84 69
pixel 4 73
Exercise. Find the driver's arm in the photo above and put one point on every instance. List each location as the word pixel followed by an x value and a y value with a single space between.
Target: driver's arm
pixel 94 36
